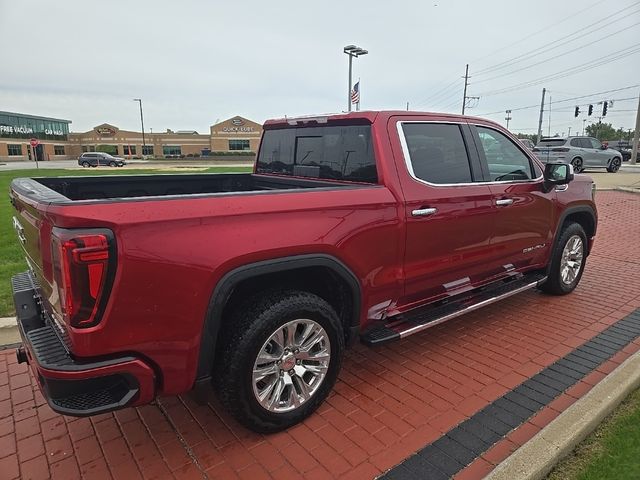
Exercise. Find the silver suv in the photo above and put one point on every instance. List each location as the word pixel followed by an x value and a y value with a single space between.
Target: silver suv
pixel 581 152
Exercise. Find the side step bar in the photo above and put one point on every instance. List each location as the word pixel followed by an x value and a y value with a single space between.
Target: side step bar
pixel 407 324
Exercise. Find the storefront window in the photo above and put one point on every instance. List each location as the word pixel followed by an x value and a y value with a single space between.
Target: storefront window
pixel 129 149
pixel 171 150
pixel 14 150
pixel 58 149
pixel 147 149
pixel 239 145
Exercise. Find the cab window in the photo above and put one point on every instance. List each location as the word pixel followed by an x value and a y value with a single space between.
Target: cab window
pixel 506 162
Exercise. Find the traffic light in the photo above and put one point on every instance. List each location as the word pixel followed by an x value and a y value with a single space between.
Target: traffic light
pixel 605 105
pixel 577 112
pixel 590 109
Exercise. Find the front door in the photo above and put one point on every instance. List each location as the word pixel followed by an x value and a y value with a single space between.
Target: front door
pixel 522 230
pixel 449 215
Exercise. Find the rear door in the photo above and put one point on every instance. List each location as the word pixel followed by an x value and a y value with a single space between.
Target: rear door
pixel 595 156
pixel 522 229
pixel 448 213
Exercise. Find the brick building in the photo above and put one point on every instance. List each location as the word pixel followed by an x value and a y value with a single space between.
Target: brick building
pixel 234 135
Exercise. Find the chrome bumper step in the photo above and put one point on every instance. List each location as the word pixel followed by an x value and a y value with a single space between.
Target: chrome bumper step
pixel 407 324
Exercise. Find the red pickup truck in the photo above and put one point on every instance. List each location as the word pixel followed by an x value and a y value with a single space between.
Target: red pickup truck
pixel 368 225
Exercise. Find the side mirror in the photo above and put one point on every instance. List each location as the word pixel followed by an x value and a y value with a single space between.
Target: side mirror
pixel 557 174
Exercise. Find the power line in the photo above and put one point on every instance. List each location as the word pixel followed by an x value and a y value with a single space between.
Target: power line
pixel 573 98
pixel 438 93
pixel 568 72
pixel 580 33
pixel 559 55
pixel 523 39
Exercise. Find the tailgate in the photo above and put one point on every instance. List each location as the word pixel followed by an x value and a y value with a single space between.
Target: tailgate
pixel 30 200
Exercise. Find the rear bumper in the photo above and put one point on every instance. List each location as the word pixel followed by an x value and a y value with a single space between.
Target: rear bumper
pixel 73 386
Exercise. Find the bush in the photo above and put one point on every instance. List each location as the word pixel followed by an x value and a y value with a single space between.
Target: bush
pixel 238 152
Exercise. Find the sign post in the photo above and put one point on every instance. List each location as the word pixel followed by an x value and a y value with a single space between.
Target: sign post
pixel 34 143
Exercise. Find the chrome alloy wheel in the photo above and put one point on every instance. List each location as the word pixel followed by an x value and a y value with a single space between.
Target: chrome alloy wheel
pixel 291 365
pixel 571 261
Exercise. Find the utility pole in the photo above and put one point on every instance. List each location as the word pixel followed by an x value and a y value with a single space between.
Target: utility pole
pixel 466 83
pixel 634 152
pixel 508 117
pixel 544 90
pixel 569 132
pixel 549 125
pixel 584 121
pixel 407 106
pixel 139 100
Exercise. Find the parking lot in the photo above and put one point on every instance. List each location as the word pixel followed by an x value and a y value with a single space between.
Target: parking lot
pixel 389 401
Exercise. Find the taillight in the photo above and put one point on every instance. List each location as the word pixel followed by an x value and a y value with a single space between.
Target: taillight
pixel 561 149
pixel 83 264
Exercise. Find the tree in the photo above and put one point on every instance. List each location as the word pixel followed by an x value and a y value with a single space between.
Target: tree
pixel 602 131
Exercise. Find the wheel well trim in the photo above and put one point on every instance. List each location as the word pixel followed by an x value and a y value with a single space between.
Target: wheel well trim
pixel 226 285
pixel 571 210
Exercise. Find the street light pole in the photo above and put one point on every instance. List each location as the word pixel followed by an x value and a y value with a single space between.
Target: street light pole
pixel 352 51
pixel 139 100
pixel 508 117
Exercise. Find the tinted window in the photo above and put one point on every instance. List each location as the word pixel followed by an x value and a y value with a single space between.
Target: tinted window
pixel 437 152
pixel 505 160
pixel 576 142
pixel 552 142
pixel 333 152
pixel 595 143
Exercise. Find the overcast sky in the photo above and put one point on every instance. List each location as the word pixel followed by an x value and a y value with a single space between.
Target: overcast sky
pixel 195 62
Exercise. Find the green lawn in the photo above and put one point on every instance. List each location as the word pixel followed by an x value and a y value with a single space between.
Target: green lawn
pixel 11 257
pixel 612 451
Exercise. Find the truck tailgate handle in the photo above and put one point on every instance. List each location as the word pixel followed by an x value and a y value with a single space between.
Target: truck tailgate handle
pixel 423 212
pixel 503 202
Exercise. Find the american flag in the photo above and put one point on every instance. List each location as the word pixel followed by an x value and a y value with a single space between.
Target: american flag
pixel 355 94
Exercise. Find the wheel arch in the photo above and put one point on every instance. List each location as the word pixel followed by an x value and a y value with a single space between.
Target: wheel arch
pixel 584 215
pixel 265 274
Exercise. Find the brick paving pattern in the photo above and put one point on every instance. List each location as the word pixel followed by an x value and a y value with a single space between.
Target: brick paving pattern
pixel 389 402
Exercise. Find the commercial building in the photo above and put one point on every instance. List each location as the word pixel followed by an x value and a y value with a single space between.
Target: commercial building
pixel 234 135
pixel 17 129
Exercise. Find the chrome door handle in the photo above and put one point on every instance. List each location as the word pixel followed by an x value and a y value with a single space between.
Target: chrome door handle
pixel 424 212
pixel 503 202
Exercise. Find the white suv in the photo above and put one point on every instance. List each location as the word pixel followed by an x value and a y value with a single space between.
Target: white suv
pixel 581 152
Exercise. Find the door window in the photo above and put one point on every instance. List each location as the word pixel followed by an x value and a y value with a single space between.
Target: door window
pixel 437 153
pixel 576 142
pixel 595 143
pixel 505 160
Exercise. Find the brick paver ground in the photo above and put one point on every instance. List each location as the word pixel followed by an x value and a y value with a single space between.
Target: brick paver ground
pixel 389 401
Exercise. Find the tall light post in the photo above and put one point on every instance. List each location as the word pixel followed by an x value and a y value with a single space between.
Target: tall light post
pixel 508 117
pixel 139 100
pixel 352 51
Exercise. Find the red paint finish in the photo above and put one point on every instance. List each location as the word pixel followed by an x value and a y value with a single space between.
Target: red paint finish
pixel 171 253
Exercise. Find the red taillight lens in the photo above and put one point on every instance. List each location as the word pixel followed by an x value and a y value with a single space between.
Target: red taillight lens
pixel 561 149
pixel 81 271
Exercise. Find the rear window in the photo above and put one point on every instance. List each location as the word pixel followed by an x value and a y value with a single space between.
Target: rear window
pixel 331 152
pixel 552 142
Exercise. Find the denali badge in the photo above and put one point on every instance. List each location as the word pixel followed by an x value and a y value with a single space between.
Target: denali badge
pixel 535 247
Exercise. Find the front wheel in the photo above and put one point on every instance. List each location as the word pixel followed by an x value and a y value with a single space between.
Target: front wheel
pixel 614 166
pixel 113 164
pixel 567 261
pixel 280 358
pixel 86 165
pixel 577 164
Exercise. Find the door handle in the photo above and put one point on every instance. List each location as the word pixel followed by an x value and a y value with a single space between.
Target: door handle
pixel 503 202
pixel 423 212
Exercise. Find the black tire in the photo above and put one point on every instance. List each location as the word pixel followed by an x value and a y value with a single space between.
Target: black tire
pixel 554 284
pixel 113 164
pixel 86 165
pixel 577 165
pixel 614 166
pixel 250 325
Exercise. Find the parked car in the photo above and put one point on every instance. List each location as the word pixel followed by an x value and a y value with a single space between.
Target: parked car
pixel 581 152
pixel 624 147
pixel 367 225
pixel 95 159
pixel 527 143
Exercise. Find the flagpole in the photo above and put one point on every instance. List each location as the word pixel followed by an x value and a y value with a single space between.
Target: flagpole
pixel 359 95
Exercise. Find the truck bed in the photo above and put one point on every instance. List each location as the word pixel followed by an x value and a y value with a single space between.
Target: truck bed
pixel 117 187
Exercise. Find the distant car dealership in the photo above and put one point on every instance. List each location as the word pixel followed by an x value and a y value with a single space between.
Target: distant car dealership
pixel 56 142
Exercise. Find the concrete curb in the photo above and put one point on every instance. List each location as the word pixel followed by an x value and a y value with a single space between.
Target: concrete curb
pixel 628 189
pixel 9 334
pixel 536 458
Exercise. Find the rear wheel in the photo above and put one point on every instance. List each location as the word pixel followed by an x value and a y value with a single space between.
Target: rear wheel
pixel 86 165
pixel 577 164
pixel 614 166
pixel 280 359
pixel 567 261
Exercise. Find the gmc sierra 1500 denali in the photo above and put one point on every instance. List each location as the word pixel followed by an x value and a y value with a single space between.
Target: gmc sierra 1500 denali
pixel 370 225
